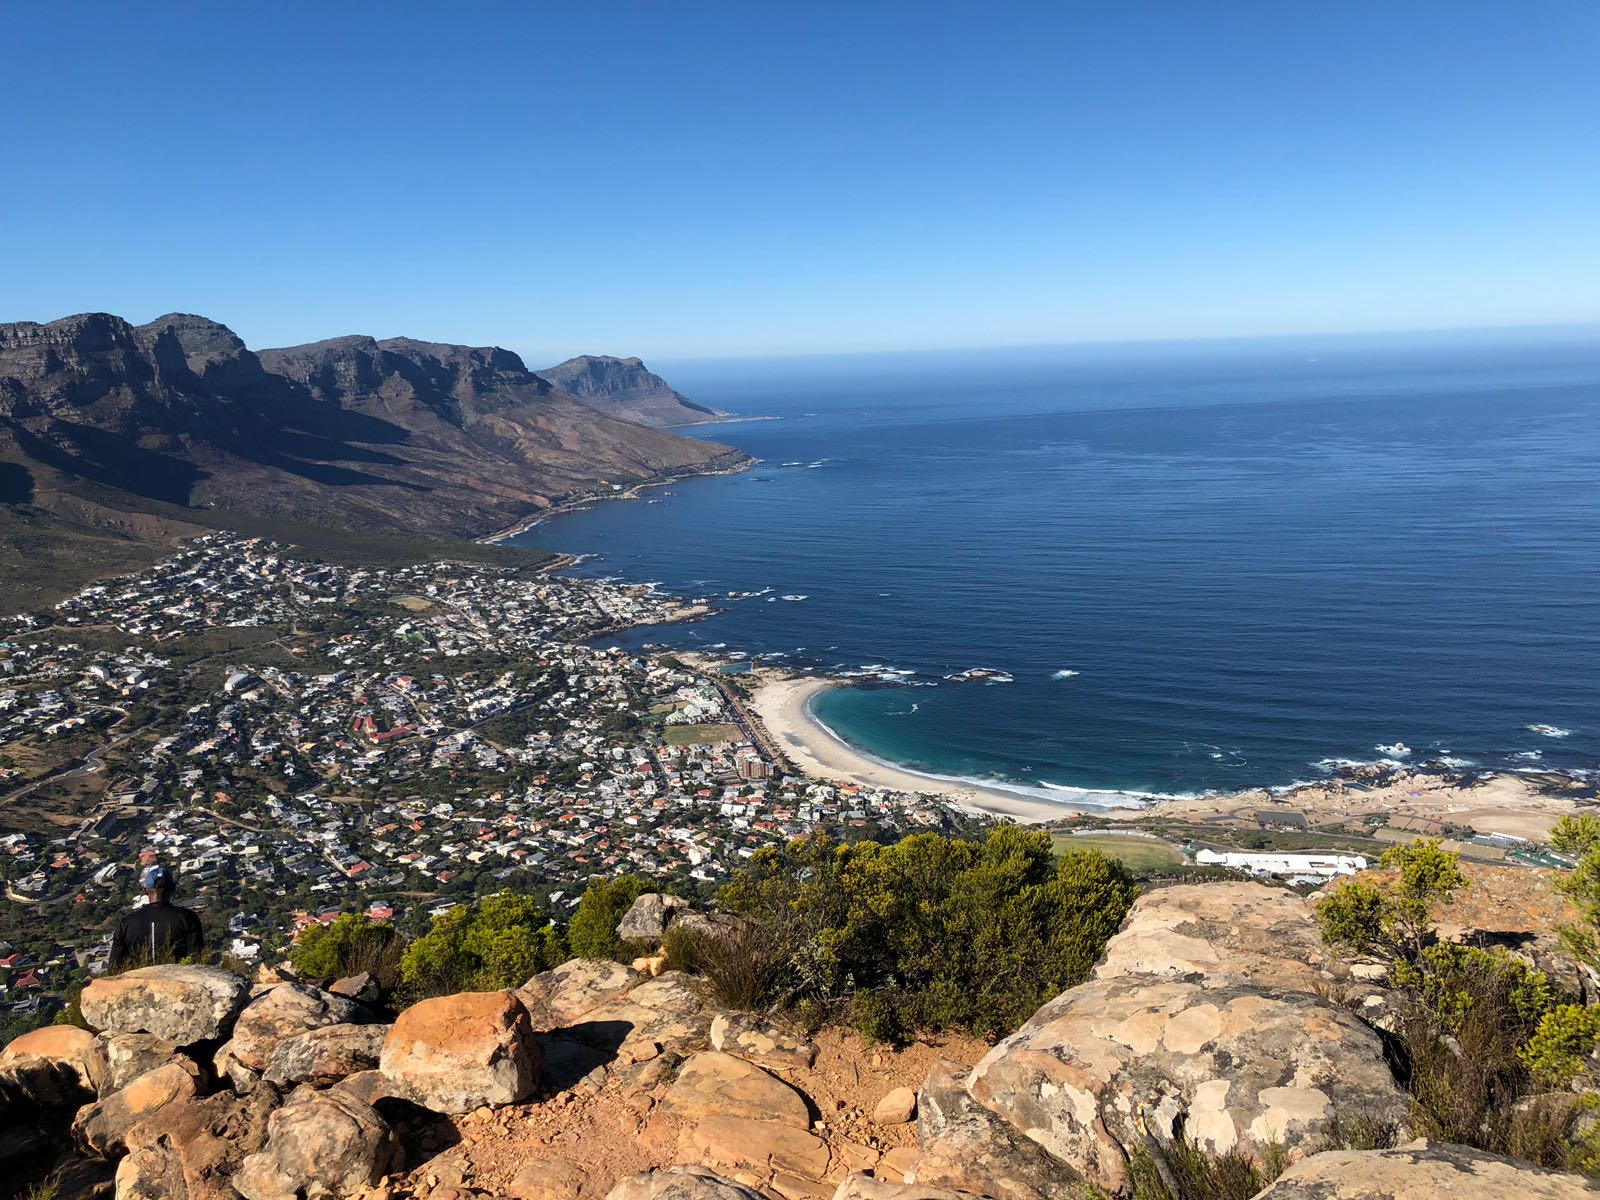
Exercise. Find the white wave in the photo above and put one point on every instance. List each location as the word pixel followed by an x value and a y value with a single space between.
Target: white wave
pixel 1397 750
pixel 1451 760
pixel 1064 673
pixel 1528 755
pixel 1549 730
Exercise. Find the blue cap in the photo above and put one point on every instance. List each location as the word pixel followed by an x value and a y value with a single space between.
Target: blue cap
pixel 155 877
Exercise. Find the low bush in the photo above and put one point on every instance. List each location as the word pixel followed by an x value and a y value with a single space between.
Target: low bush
pixel 352 944
pixel 593 932
pixel 931 933
pixel 499 942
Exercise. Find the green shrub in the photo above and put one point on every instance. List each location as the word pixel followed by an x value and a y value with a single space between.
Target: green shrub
pixel 353 943
pixel 1566 1037
pixel 1393 920
pixel 499 942
pixel 743 963
pixel 933 932
pixel 593 933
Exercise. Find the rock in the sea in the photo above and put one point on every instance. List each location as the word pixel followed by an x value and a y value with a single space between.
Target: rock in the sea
pixel 62 1043
pixel 102 1127
pixel 896 1108
pixel 713 1084
pixel 963 1147
pixel 182 1004
pixel 130 1055
pixel 326 1055
pixel 560 997
pixel 192 1148
pixel 761 1042
pixel 680 1183
pixel 285 1011
pixel 649 916
pixel 1235 1067
pixel 324 1138
pixel 1423 1171
pixel 455 1053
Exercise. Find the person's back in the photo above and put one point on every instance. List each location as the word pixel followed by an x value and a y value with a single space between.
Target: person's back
pixel 160 932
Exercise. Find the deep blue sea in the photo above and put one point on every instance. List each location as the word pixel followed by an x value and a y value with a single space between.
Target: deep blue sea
pixel 1203 567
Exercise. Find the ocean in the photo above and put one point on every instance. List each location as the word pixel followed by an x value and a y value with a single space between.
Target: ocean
pixel 1201 567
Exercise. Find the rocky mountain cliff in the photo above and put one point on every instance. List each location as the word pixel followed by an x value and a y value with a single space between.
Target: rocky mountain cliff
pixel 625 388
pixel 392 436
pixel 1214 1016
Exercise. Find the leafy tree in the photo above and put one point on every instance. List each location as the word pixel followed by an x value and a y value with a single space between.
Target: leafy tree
pixel 351 944
pixel 499 942
pixel 1393 920
pixel 593 933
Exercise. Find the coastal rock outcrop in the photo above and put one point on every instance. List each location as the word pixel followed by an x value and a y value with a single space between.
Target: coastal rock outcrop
pixel 181 1004
pixel 456 1053
pixel 1423 1171
pixel 1196 1024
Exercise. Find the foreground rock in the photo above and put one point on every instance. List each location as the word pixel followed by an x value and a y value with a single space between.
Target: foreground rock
pixel 193 1149
pixel 328 1139
pixel 1423 1171
pixel 680 1183
pixel 283 1012
pixel 102 1127
pixel 326 1056
pixel 456 1053
pixel 181 1004
pixel 64 1044
pixel 963 1147
pixel 648 917
pixel 713 1084
pixel 1198 1023
pixel 561 997
pixel 129 1055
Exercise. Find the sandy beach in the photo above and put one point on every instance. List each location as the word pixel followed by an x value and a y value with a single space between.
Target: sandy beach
pixel 1501 804
pixel 783 704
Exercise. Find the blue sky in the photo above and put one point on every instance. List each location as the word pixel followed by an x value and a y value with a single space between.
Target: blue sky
pixel 681 179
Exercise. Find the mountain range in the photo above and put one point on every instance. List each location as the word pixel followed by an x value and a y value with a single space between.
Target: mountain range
pixel 624 387
pixel 121 431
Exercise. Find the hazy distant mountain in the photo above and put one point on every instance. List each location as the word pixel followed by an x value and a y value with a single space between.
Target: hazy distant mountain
pixel 624 387
pixel 393 436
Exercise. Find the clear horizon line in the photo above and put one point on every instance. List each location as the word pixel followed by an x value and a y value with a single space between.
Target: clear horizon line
pixel 1571 327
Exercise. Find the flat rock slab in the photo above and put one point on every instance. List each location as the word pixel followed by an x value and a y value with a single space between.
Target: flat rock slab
pixel 561 997
pixel 762 1043
pixel 63 1043
pixel 767 1147
pixel 1423 1171
pixel 182 1004
pixel 713 1084
pixel 680 1183
pixel 1233 1067
pixel 1219 933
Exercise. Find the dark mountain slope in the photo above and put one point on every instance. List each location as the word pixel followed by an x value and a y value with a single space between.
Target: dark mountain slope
pixel 397 436
pixel 623 387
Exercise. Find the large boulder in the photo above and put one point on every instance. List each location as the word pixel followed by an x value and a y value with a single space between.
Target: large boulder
pixel 667 1012
pixel 561 997
pixel 283 1012
pixel 102 1127
pixel 129 1055
pixel 649 916
pixel 456 1053
pixel 62 1043
pixel 1233 1067
pixel 1216 934
pixel 680 1183
pixel 713 1084
pixel 329 1139
pixel 326 1055
pixel 182 1004
pixel 1423 1171
pixel 192 1148
pixel 963 1147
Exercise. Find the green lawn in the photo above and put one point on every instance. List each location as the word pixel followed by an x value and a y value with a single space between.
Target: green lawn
pixel 1137 853
pixel 694 735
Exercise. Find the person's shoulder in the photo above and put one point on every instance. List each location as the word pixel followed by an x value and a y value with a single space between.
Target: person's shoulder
pixel 188 914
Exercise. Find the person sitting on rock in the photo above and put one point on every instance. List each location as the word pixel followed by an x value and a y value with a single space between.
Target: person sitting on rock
pixel 158 932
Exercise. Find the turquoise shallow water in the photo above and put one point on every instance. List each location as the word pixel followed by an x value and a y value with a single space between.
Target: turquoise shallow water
pixel 1201 568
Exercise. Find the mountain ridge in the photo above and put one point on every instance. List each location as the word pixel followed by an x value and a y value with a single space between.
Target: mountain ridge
pixel 387 436
pixel 626 388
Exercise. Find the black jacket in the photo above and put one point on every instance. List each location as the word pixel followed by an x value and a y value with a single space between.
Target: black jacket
pixel 156 933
